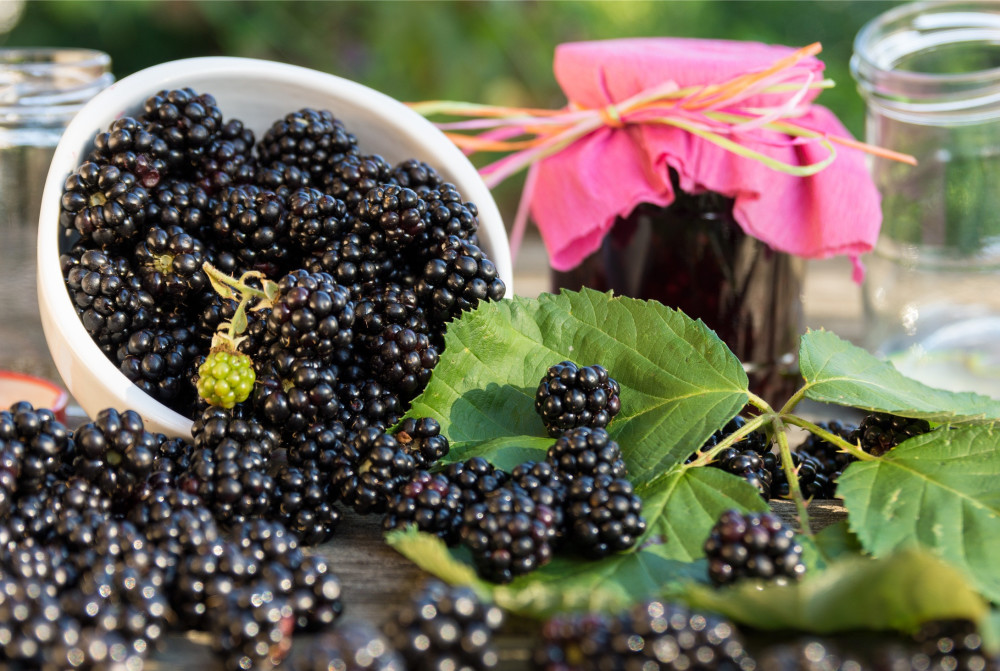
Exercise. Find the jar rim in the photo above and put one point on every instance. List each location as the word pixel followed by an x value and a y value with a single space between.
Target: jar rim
pixel 33 57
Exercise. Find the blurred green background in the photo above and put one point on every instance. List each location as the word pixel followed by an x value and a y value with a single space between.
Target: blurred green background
pixel 484 51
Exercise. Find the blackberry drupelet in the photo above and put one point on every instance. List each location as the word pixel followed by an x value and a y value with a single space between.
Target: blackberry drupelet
pixel 116 453
pixel 752 545
pixel 879 432
pixel 603 515
pixel 107 295
pixel 186 120
pixel 104 204
pixel 508 534
pixel 403 360
pixel 446 627
pixel 252 223
pixel 352 177
pixel 130 147
pixel 422 438
pixel 311 315
pixel 394 213
pixel 355 645
pixel 309 139
pixel 315 219
pixel 375 465
pixel 456 278
pixel 569 396
pixel 429 502
pixel 586 451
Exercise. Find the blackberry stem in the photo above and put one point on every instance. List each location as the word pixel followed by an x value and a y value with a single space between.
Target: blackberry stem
pixel 788 466
pixel 844 445
pixel 230 287
pixel 705 457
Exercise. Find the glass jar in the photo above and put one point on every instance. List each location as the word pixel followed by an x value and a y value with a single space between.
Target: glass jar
pixel 693 256
pixel 40 92
pixel 930 76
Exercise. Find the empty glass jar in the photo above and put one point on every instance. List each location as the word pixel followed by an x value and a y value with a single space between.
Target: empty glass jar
pixel 40 92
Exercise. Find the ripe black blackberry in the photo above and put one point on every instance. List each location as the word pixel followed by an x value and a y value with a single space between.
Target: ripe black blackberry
pixel 222 165
pixel 475 478
pixel 315 219
pixel 311 315
pixel 353 261
pixel 318 447
pixel 251 627
pixel 547 486
pixel 214 310
pixel 176 523
pixel 302 502
pixel 586 451
pixel 309 139
pixel 375 465
pixel 177 202
pixel 107 296
pixel 212 569
pixel 446 627
pixel 569 396
pixel 447 214
pixel 814 481
pixel 456 278
pixel 281 179
pixel 415 174
pixel 664 635
pixel 29 620
pixel 104 204
pixel 253 224
pixel 380 304
pixel 750 458
pixel 756 440
pixel 429 502
pixel 403 360
pixel 352 177
pixel 355 645
pixel 36 446
pixel 316 594
pixel 116 453
pixel 752 545
pixel 603 515
pixel 879 432
pixel 291 394
pixel 367 404
pixel 130 147
pixel 422 438
pixel 508 534
pixel 939 645
pixel 832 459
pixel 159 361
pixel 186 120
pixel 573 642
pixel 397 214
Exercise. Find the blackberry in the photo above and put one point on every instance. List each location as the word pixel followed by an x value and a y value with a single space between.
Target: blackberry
pixel 818 464
pixel 879 432
pixel 752 545
pixel 663 635
pixel 173 455
pixel 187 122
pixel 569 396
pixel 311 140
pixel 830 457
pixel 456 278
pixel 282 179
pixel 169 263
pixel 353 261
pixel 253 224
pixel 756 441
pixel 508 534
pixel 130 147
pixel 940 645
pixel 475 478
pixel 355 645
pixel 446 627
pixel 311 314
pixel 585 451
pixel 749 465
pixel 104 204
pixel 367 404
pixel 222 165
pixel 352 177
pixel 251 628
pixel 547 486
pixel 315 219
pixel 211 570
pixel 430 503
pixel 176 523
pixel 302 503
pixel 415 174
pixel 403 360
pixel 395 213
pixel 375 465
pixel 382 304
pixel 422 438
pixel 226 378
pixel 292 393
pixel 92 649
pixel 159 361
pixel 115 452
pixel 814 481
pixel 573 642
pixel 29 621
pixel 447 215
pixel 319 447
pixel 316 594
pixel 603 515
pixel 182 204
pixel 35 446
pixel 216 311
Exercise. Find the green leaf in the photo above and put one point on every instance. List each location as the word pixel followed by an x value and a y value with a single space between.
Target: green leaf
pixel 679 381
pixel 898 592
pixel 836 541
pixel 838 372
pixel 939 490
pixel 505 452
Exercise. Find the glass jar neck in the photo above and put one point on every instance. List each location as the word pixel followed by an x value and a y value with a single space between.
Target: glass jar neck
pixel 932 62
pixel 47 87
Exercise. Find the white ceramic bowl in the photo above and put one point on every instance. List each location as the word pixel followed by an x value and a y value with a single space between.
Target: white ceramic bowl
pixel 258 93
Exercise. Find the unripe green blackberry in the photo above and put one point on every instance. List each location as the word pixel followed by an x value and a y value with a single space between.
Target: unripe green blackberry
pixel 569 396
pixel 879 432
pixel 226 378
pixel 752 545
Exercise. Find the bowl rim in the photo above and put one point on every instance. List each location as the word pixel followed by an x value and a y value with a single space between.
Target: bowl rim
pixel 60 397
pixel 131 91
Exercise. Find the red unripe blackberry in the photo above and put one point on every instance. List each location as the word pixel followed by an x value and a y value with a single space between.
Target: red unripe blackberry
pixel 752 545
pixel 569 396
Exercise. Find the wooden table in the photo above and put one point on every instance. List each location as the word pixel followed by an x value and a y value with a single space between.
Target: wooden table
pixel 376 579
